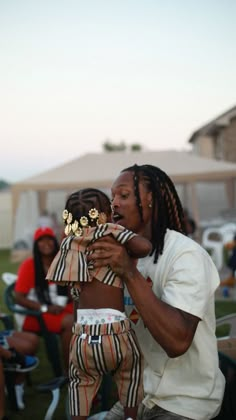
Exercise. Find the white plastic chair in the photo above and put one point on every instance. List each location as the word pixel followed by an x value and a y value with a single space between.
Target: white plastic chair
pixel 9 278
pixel 214 239
pixel 229 320
pixel 99 416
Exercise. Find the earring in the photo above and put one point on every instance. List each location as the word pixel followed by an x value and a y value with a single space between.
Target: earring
pixel 150 205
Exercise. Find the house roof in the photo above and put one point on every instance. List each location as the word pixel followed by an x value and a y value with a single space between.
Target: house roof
pixel 100 169
pixel 215 125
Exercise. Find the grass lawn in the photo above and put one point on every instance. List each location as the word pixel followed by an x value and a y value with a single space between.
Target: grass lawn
pixel 37 403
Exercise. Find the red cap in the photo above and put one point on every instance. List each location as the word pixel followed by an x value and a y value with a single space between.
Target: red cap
pixel 43 231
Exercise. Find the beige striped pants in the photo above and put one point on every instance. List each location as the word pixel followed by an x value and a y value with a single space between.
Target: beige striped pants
pixel 99 349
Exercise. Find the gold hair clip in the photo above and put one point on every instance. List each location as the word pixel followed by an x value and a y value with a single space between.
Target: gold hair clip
pixel 76 228
pixel 93 214
pixel 84 221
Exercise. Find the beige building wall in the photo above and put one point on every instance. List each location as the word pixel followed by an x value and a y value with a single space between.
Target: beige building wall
pixel 204 147
pixel 230 141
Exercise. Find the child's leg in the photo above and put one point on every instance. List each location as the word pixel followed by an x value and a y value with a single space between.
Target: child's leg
pixel 84 378
pixel 129 376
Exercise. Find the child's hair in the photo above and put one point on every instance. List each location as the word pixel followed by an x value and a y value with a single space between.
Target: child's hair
pixel 80 202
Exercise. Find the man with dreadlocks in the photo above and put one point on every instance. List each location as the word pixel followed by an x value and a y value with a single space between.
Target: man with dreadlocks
pixel 170 298
pixel 103 341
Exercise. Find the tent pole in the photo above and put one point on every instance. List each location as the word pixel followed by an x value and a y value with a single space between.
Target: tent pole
pixel 42 201
pixel 15 196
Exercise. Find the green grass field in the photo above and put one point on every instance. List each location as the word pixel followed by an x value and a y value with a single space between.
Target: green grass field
pixel 37 403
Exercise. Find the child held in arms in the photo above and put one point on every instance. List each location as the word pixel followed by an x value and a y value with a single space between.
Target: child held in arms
pixel 102 340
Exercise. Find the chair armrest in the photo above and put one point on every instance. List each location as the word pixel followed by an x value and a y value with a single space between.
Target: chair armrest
pixel 228 320
pixel 17 309
pixel 7 321
pixel 14 307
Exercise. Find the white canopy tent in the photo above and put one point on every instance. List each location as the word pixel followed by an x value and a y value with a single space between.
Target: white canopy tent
pixel 99 171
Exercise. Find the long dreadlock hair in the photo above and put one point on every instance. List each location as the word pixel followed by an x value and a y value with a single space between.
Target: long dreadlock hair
pixel 41 286
pixel 167 211
pixel 80 202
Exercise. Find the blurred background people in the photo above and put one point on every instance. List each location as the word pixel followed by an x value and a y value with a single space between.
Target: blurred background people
pixel 17 352
pixel 32 291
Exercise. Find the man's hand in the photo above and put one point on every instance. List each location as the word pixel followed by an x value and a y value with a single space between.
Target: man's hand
pixel 107 251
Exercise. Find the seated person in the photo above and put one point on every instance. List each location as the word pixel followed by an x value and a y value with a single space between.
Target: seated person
pixel 17 350
pixel 230 281
pixel 33 292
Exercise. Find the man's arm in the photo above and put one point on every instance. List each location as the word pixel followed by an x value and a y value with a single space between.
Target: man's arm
pixel 172 328
pixel 138 247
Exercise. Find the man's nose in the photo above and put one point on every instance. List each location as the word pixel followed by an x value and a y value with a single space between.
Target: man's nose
pixel 115 202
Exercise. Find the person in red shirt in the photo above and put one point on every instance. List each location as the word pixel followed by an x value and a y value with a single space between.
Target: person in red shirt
pixel 33 292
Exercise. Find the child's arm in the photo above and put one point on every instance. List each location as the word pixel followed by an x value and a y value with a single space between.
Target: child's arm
pixel 138 246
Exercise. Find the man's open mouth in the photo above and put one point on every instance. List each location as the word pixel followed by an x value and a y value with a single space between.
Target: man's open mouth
pixel 116 217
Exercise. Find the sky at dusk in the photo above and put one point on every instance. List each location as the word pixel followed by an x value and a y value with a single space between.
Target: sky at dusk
pixel 75 73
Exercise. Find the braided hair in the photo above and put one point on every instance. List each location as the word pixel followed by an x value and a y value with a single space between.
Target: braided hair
pixel 167 211
pixel 41 286
pixel 80 202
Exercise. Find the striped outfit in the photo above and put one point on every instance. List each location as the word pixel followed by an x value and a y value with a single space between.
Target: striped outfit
pixel 70 264
pixel 100 347
pixel 96 350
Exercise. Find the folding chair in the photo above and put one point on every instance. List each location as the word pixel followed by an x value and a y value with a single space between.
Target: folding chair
pixel 8 324
pixel 229 320
pixel 51 340
pixel 54 386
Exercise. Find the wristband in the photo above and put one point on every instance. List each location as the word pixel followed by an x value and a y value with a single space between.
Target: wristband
pixel 44 308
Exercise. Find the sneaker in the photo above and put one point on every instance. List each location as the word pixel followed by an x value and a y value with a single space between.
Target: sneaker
pixel 20 363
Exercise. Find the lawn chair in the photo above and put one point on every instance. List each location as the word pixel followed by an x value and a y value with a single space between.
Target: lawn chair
pixel 51 340
pixel 9 278
pixel 8 324
pixel 229 320
pixel 54 386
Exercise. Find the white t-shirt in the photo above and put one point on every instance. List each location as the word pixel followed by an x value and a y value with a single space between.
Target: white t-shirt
pixel 185 277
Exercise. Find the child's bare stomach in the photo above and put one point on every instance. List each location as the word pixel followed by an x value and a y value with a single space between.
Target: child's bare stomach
pixel 97 295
